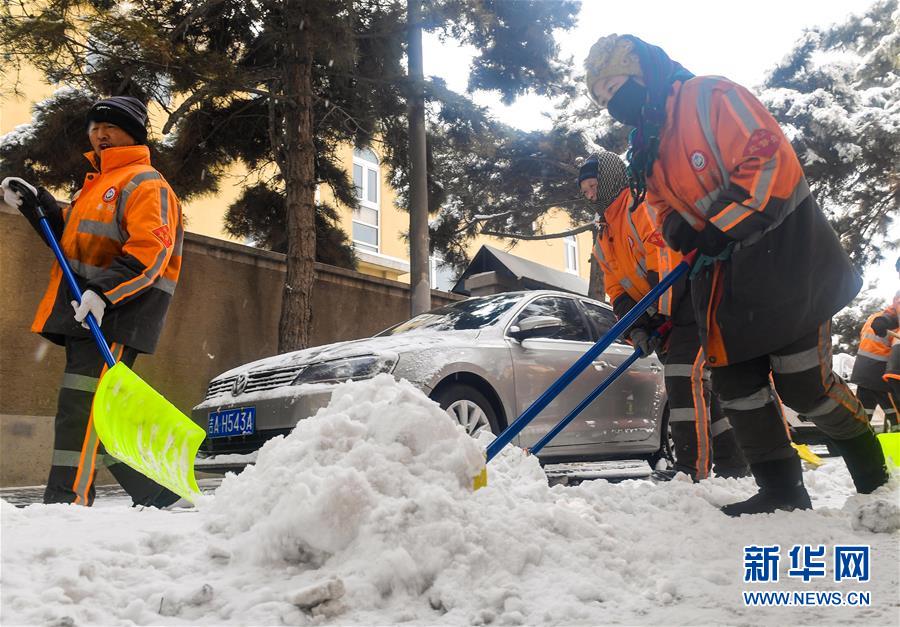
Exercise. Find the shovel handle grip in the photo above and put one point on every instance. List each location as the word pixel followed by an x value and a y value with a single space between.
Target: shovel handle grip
pixel 72 282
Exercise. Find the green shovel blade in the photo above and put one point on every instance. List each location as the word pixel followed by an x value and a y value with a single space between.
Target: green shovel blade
pixel 141 428
pixel 890 444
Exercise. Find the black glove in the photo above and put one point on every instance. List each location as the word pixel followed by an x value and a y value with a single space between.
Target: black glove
pixel 680 236
pixel 678 233
pixel 711 241
pixel 881 325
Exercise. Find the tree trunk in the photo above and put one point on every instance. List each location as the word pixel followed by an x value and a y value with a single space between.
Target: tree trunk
pixel 298 170
pixel 419 267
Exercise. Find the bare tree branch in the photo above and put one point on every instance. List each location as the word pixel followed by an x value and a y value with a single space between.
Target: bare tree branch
pixel 522 236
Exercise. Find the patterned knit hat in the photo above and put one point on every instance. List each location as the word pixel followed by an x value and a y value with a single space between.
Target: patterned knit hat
pixel 613 55
pixel 609 170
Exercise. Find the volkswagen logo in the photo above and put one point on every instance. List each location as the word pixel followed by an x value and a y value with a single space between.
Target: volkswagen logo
pixel 240 384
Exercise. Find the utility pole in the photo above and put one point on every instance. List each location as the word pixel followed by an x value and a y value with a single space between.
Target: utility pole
pixel 420 275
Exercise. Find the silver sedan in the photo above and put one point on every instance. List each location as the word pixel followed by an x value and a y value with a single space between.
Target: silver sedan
pixel 484 360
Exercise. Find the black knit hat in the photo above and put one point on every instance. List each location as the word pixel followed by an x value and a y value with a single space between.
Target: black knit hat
pixel 126 112
pixel 588 169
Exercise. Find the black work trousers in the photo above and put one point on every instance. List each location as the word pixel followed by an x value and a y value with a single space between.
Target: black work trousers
pixel 805 382
pixel 871 399
pixel 77 449
pixel 701 433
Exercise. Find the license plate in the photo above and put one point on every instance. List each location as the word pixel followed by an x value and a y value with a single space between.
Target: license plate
pixel 240 421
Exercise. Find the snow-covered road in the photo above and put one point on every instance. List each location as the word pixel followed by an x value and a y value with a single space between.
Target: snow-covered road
pixel 364 515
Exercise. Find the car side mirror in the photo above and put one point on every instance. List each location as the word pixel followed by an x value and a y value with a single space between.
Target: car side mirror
pixel 535 326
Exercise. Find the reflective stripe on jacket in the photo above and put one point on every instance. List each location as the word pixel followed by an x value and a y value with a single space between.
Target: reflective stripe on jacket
pixel 724 160
pixel 123 237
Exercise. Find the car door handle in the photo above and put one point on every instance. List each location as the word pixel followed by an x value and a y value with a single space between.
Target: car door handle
pixel 602 365
pixel 654 369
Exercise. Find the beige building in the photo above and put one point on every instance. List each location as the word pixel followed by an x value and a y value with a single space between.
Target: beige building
pixel 376 228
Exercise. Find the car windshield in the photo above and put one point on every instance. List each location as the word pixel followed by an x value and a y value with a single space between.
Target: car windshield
pixel 473 313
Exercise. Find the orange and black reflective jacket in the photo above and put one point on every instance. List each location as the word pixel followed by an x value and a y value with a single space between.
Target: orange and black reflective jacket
pixel 892 371
pixel 723 160
pixel 873 353
pixel 123 238
pixel 632 254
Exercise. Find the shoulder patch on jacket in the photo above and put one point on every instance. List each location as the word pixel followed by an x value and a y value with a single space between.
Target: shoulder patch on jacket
pixel 762 143
pixel 699 160
pixel 163 234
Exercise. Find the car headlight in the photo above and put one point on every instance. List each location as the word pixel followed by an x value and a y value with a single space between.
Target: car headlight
pixel 350 369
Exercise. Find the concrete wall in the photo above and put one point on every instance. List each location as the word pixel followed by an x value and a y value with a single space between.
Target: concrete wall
pixel 225 312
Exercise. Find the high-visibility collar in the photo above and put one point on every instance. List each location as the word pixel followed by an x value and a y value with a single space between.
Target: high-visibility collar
pixel 119 157
pixel 671 104
pixel 617 206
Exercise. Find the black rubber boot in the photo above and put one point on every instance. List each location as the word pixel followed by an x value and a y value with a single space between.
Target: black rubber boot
pixel 780 488
pixel 728 459
pixel 731 472
pixel 161 499
pixel 684 447
pixel 865 461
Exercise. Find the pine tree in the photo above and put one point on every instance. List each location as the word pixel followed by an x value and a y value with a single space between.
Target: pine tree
pixel 269 84
pixel 512 178
pixel 837 95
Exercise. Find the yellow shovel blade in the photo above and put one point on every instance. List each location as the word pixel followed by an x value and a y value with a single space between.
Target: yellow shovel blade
pixel 807 455
pixel 480 480
pixel 890 444
pixel 141 428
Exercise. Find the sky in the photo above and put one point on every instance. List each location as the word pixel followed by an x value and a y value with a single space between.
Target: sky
pixel 741 41
pixel 701 34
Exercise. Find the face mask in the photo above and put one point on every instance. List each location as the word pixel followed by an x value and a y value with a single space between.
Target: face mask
pixel 627 103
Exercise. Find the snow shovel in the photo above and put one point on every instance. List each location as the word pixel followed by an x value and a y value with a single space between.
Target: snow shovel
pixel 133 421
pixel 583 362
pixel 890 444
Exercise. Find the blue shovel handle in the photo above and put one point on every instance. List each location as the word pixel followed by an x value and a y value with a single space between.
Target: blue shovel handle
pixel 588 358
pixel 73 287
pixel 662 331
pixel 608 381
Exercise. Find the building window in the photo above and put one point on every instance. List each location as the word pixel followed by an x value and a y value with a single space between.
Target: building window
pixel 570 247
pixel 442 276
pixel 366 219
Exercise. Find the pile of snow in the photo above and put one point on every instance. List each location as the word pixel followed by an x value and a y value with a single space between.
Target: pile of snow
pixel 365 514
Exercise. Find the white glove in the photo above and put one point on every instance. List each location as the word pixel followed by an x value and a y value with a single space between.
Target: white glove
pixel 14 198
pixel 92 303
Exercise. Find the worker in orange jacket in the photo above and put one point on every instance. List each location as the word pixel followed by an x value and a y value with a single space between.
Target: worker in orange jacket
pixel 633 256
pixel 892 376
pixel 723 179
pixel 892 370
pixel 123 237
pixel 871 361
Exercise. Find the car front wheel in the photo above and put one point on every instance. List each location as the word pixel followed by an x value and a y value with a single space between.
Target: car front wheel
pixel 468 406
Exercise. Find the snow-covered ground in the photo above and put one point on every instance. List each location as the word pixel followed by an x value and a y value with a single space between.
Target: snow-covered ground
pixel 365 515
